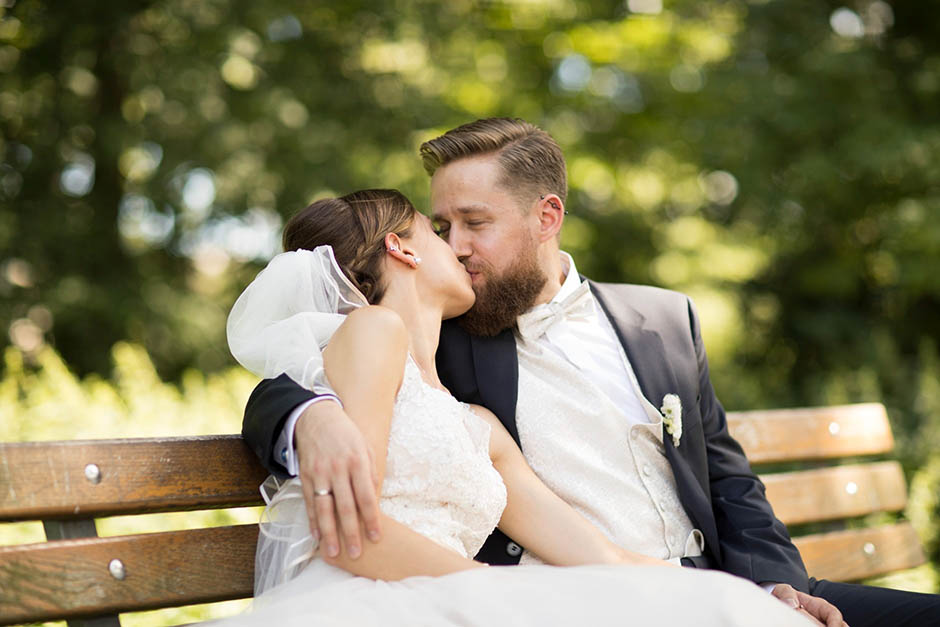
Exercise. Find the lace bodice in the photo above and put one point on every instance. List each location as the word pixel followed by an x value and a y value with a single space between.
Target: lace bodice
pixel 439 479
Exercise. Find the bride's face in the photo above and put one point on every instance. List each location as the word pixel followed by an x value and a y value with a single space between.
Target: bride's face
pixel 440 271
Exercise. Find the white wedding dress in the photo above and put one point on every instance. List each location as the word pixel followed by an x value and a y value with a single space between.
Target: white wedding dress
pixel 440 482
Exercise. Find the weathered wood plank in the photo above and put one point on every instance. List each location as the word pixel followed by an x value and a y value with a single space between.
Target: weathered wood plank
pixel 71 578
pixel 859 553
pixel 777 435
pixel 47 480
pixel 837 492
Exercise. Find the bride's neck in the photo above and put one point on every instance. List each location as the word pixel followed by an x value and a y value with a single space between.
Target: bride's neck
pixel 423 321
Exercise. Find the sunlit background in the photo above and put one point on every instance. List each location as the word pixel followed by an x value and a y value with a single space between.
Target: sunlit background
pixel 779 160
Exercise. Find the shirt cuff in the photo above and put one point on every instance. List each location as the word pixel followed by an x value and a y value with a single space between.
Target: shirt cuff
pixel 284 447
pixel 768 587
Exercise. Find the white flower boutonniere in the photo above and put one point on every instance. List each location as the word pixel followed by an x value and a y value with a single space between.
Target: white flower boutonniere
pixel 672 417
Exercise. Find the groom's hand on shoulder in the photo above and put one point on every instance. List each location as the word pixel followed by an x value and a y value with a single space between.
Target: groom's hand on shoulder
pixel 820 610
pixel 333 456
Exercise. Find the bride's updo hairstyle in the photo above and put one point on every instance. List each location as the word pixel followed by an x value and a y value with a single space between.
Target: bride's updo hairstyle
pixel 355 226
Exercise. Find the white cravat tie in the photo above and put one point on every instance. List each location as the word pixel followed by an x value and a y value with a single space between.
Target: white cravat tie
pixel 545 320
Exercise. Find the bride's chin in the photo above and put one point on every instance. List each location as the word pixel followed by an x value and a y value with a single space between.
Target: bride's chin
pixel 459 306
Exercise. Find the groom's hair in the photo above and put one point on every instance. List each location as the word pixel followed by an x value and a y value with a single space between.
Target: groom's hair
pixel 531 161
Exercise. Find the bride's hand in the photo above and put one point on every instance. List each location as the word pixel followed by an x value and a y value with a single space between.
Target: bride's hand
pixel 333 455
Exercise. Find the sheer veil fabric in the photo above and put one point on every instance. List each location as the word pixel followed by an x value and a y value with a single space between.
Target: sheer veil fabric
pixel 285 317
pixel 280 325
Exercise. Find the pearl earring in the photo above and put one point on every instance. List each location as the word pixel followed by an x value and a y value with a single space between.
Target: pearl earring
pixel 417 260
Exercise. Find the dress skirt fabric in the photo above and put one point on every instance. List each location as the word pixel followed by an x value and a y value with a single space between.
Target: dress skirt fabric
pixel 520 596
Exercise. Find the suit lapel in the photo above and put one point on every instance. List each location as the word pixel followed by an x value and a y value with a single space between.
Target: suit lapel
pixel 644 347
pixel 496 366
pixel 647 354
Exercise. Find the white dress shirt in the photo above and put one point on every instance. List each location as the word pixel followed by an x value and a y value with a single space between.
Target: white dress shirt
pixel 590 343
pixel 284 447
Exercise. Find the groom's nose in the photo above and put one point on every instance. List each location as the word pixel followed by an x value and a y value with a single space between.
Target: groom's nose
pixel 459 242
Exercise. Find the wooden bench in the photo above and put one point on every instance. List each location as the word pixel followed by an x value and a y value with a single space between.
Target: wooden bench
pixel 843 486
pixel 75 575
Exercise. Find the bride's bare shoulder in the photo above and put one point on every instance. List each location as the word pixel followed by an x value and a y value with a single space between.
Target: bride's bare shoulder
pixel 377 328
pixel 376 318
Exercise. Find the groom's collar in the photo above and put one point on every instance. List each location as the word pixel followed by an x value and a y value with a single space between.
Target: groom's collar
pixel 572 278
pixel 615 308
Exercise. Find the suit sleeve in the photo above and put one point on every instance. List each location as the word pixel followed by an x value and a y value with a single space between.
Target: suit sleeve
pixel 754 543
pixel 269 406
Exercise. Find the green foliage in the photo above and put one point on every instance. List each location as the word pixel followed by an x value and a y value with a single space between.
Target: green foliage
pixel 924 507
pixel 746 152
pixel 47 401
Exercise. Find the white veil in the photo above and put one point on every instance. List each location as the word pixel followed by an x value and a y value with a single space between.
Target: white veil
pixel 289 312
pixel 279 325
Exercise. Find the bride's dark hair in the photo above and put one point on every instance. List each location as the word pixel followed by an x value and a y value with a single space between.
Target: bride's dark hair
pixel 355 226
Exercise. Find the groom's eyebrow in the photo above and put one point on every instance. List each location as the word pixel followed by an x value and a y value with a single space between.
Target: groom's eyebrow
pixel 465 210
pixel 472 209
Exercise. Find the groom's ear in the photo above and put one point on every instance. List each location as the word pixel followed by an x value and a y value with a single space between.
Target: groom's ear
pixel 551 215
pixel 397 250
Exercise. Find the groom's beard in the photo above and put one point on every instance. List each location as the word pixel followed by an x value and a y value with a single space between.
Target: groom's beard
pixel 502 299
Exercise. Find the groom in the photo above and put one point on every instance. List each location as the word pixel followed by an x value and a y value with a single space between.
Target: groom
pixel 605 387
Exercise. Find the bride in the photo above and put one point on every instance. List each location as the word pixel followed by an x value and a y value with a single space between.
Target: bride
pixel 368 282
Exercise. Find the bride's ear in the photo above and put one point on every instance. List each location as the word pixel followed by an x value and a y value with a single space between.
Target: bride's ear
pixel 395 248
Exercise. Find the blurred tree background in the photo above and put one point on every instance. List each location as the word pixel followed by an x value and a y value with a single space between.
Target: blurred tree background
pixel 779 160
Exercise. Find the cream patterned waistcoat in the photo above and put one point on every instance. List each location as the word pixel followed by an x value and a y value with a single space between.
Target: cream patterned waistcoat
pixel 585 449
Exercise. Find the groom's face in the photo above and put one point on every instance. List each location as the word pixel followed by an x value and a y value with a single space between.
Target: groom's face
pixel 494 236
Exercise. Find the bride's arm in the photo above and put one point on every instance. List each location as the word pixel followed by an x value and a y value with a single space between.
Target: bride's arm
pixel 540 520
pixel 364 363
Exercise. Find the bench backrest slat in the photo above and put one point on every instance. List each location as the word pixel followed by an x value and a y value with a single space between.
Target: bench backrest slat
pixel 70 578
pixel 779 435
pixel 855 554
pixel 46 480
pixel 836 492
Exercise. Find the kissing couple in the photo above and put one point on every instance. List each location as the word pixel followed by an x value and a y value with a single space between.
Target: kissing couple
pixel 452 391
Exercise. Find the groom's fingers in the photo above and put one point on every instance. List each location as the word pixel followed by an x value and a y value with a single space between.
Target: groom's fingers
pixel 787 594
pixel 810 617
pixel 364 480
pixel 326 522
pixel 310 505
pixel 334 456
pixel 348 514
pixel 822 609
